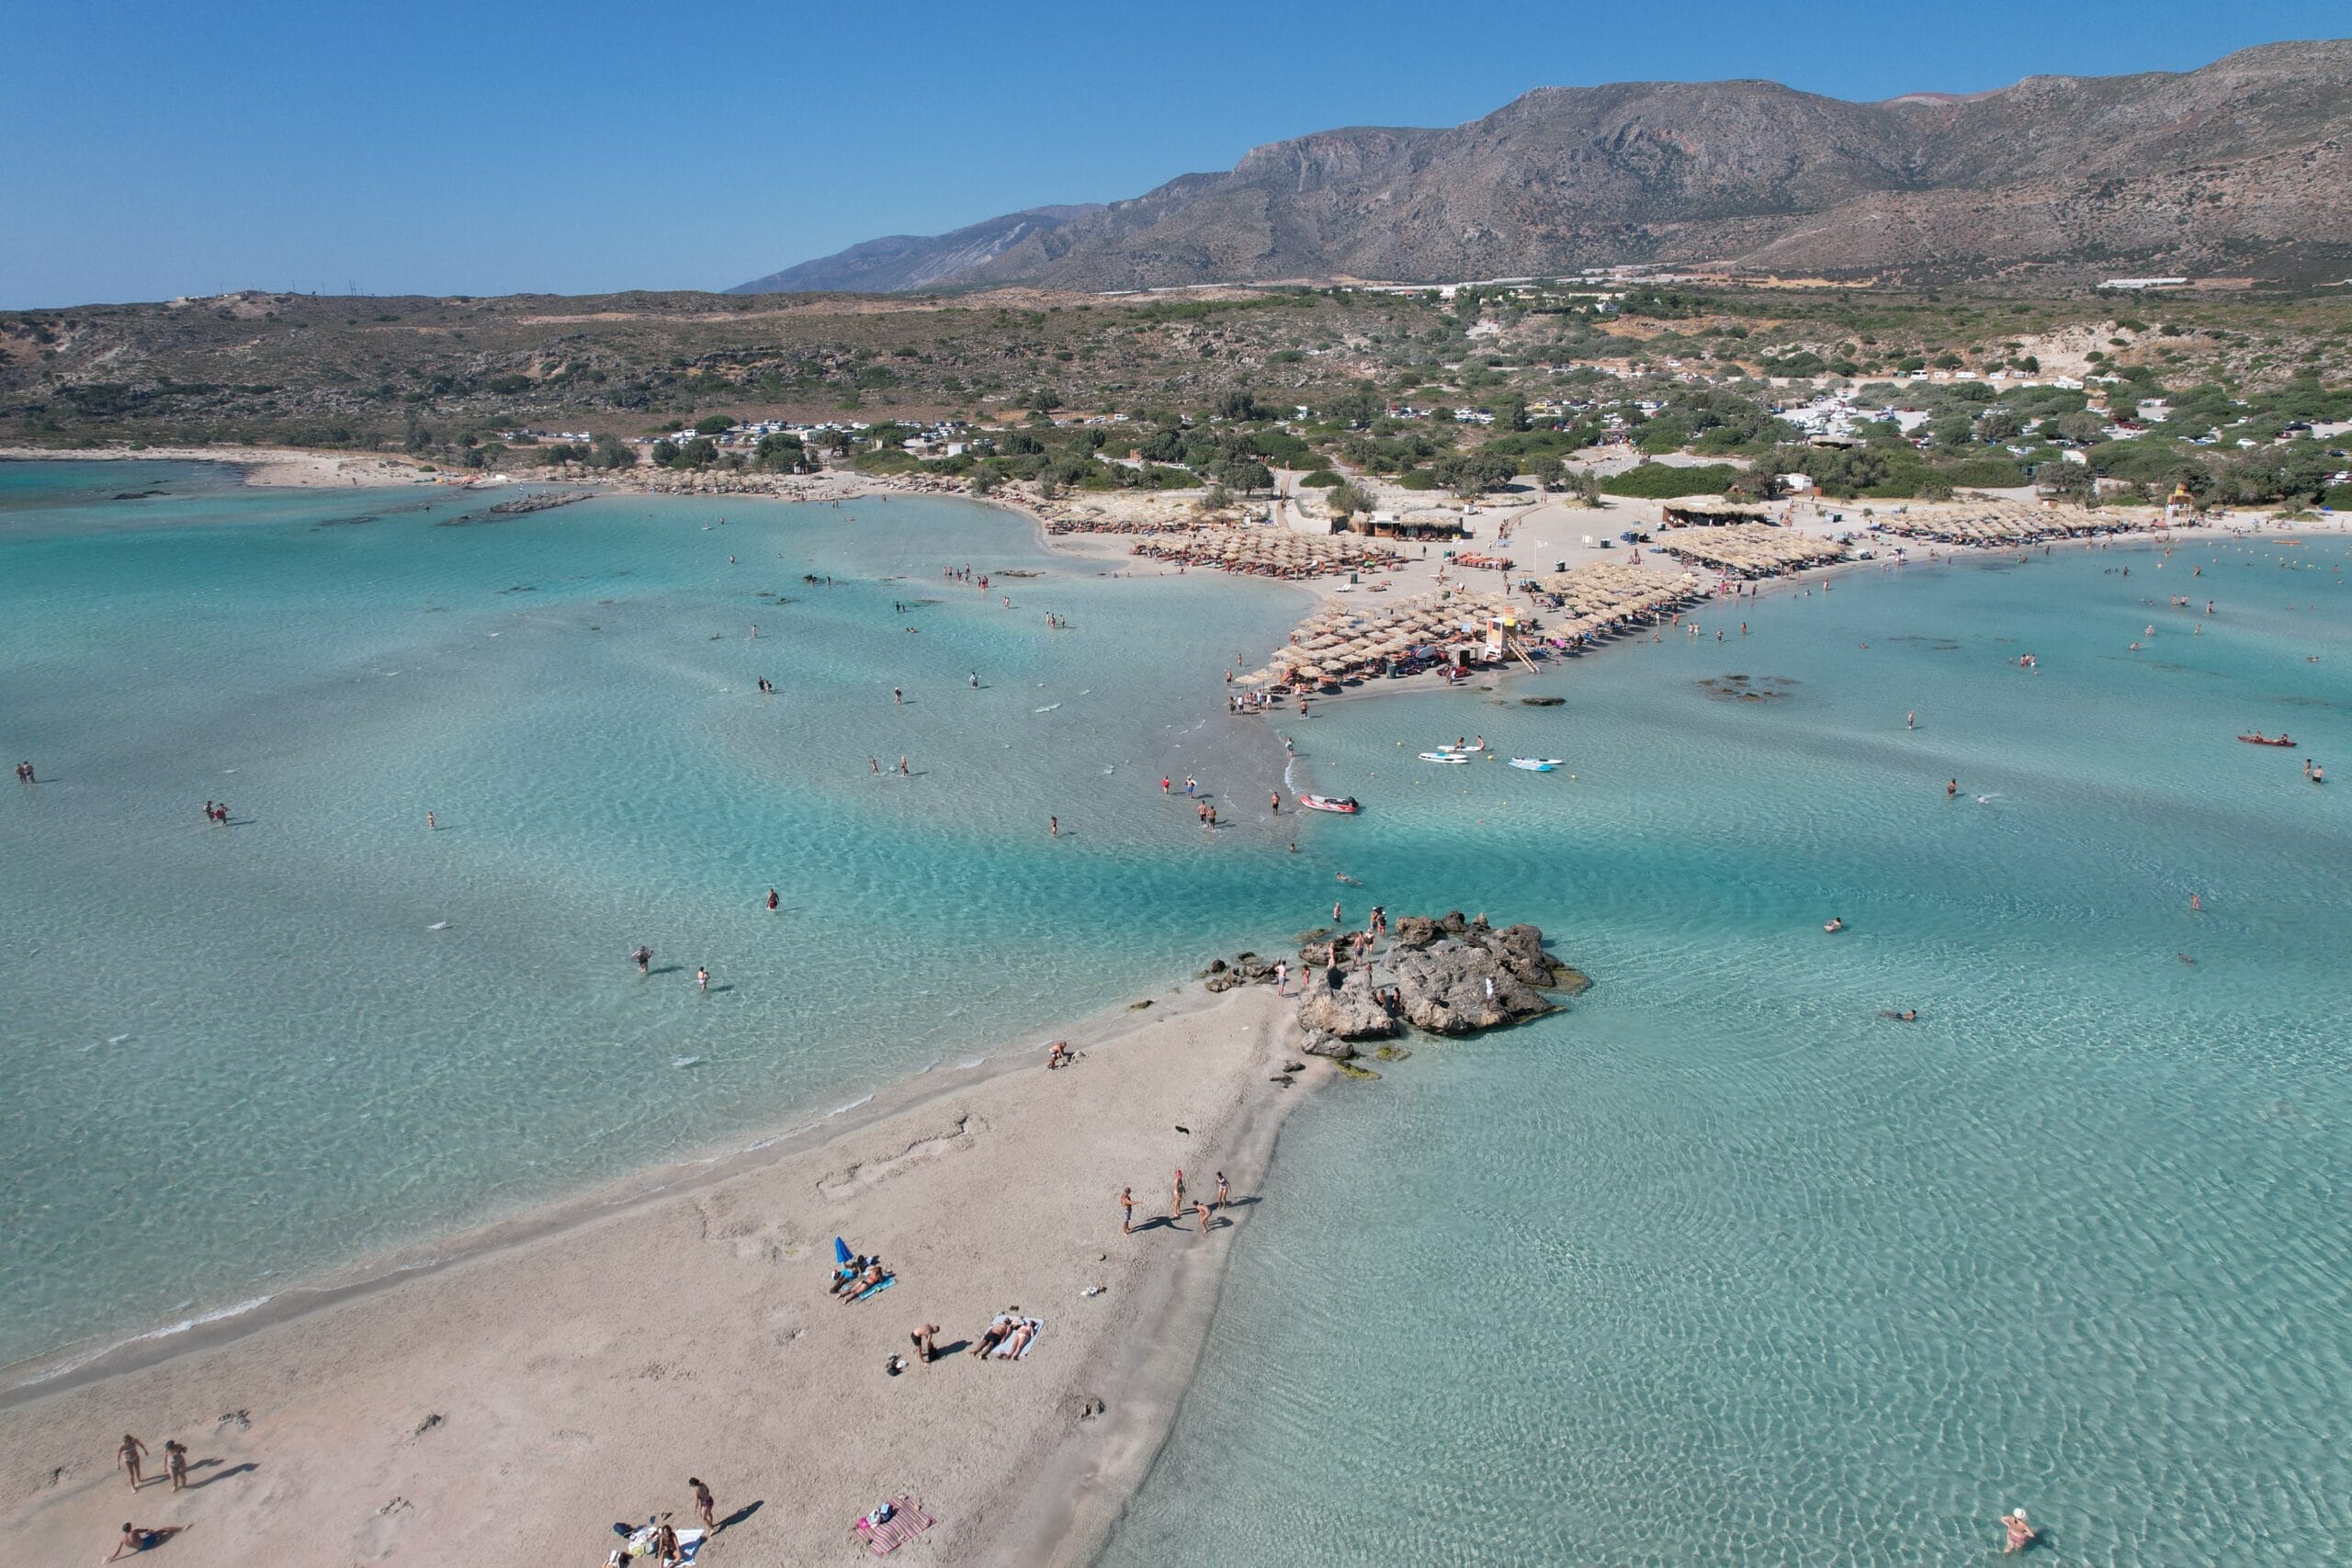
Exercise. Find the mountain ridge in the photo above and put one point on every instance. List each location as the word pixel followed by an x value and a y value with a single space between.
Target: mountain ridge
pixel 2241 163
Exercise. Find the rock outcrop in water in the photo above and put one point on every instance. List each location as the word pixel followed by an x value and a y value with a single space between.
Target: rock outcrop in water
pixel 1444 975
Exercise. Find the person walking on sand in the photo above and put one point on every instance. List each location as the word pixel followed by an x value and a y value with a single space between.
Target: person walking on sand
pixel 129 1455
pixel 1282 977
pixel 1224 1194
pixel 704 1504
pixel 1201 1215
pixel 176 1463
pixel 1176 1195
pixel 1126 1210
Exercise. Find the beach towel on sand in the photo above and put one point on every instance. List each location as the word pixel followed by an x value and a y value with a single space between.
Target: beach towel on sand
pixel 906 1522
pixel 640 1545
pixel 1036 1326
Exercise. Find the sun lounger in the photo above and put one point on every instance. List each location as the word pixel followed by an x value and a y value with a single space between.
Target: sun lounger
pixel 907 1521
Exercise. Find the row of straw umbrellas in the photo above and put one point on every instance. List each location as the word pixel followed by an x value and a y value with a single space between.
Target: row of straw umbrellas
pixel 1599 597
pixel 1343 637
pixel 1750 549
pixel 2003 523
pixel 1266 552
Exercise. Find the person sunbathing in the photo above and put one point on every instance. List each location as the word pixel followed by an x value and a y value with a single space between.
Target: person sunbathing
pixel 866 1282
pixel 1019 1341
pixel 847 1277
pixel 994 1337
pixel 142 1537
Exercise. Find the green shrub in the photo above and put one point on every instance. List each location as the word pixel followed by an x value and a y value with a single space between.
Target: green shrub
pixel 1981 473
pixel 1661 481
pixel 1321 479
pixel 2338 499
pixel 1416 479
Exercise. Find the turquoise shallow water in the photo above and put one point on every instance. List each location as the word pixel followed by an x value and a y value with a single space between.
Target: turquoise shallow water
pixel 1720 1267
pixel 232 1057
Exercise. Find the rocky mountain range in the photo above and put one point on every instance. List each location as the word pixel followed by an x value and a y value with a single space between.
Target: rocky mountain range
pixel 2239 167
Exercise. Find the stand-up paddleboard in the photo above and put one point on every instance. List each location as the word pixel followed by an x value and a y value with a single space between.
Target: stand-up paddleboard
pixel 1453 757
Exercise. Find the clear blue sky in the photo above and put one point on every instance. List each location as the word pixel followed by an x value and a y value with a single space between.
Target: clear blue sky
pixel 148 149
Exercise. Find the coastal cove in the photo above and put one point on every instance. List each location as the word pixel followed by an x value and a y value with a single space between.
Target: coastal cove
pixel 1755 1266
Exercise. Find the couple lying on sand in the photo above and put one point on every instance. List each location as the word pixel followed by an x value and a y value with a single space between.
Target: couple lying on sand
pixel 855 1280
pixel 1009 1336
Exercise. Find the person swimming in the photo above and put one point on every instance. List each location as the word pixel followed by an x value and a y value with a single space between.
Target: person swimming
pixel 1835 923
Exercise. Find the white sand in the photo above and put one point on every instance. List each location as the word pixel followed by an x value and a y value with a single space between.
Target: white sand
pixel 271 466
pixel 579 1378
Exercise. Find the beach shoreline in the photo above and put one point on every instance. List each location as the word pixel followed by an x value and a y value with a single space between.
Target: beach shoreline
pixel 1020 1161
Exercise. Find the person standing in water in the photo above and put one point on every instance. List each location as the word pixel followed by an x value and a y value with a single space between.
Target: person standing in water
pixel 1951 789
pixel 430 824
pixel 702 978
pixel 25 774
pixel 897 695
pixel 975 680
pixel 643 959
pixel 1053 826
pixel 2021 1534
pixel 773 901
pixel 1911 720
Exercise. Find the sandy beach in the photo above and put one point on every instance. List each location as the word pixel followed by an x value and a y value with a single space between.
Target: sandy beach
pixel 274 467
pixel 512 1406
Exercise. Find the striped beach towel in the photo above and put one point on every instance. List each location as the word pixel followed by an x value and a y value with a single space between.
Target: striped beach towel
pixel 906 1521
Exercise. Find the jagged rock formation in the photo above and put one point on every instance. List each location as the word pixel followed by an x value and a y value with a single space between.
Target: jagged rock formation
pixel 1452 974
pixel 2241 167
